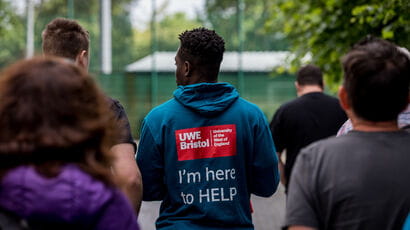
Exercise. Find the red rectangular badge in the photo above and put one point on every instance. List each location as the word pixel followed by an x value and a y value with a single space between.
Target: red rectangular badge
pixel 206 142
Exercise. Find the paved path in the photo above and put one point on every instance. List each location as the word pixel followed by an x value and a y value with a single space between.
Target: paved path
pixel 268 212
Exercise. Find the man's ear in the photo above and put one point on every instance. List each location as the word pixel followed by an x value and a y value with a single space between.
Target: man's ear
pixel 298 89
pixel 343 99
pixel 296 85
pixel 82 59
pixel 187 69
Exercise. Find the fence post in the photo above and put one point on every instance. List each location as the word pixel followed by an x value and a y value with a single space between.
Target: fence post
pixel 105 36
pixel 30 28
pixel 154 73
pixel 241 81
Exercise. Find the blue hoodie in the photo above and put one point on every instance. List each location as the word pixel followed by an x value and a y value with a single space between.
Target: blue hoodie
pixel 203 153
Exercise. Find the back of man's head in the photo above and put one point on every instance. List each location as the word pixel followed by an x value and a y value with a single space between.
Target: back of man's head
pixel 376 79
pixel 64 38
pixel 309 75
pixel 204 49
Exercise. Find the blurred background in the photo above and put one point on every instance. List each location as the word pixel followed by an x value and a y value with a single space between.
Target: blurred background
pixel 133 42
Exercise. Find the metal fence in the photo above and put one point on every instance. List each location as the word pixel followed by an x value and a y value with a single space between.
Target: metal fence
pixel 134 91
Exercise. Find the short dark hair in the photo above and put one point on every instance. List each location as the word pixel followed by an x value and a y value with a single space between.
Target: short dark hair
pixel 47 119
pixel 204 49
pixel 376 79
pixel 309 75
pixel 64 38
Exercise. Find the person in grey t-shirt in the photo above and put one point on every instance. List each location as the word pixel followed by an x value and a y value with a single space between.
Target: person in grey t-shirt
pixel 359 180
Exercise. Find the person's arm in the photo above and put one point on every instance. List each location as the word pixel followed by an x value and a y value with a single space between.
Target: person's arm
pixel 150 161
pixel 265 173
pixel 303 204
pixel 127 173
pixel 281 166
pixel 277 134
pixel 125 168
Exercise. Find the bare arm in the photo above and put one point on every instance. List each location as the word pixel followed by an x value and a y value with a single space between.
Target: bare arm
pixel 281 169
pixel 128 174
pixel 298 227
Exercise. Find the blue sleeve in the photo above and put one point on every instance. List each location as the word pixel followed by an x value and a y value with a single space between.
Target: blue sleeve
pixel 265 172
pixel 406 225
pixel 151 164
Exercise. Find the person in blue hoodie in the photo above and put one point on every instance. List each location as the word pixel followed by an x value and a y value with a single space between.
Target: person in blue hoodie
pixel 204 152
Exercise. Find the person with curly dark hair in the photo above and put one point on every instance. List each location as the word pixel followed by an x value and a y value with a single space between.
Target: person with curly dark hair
pixel 66 38
pixel 204 152
pixel 56 135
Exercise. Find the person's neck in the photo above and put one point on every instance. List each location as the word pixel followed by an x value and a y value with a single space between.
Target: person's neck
pixel 309 89
pixel 372 126
pixel 196 79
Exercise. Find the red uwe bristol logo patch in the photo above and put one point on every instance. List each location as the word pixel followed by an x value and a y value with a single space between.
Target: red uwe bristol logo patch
pixel 206 142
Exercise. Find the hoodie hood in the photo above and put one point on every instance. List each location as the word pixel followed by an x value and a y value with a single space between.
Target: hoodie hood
pixel 207 99
pixel 71 197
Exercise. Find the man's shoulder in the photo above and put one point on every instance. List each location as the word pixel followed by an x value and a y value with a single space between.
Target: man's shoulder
pixel 317 97
pixel 163 109
pixel 327 146
pixel 289 108
pixel 312 101
pixel 328 142
pixel 290 103
pixel 299 102
pixel 355 140
pixel 246 110
pixel 115 105
pixel 330 99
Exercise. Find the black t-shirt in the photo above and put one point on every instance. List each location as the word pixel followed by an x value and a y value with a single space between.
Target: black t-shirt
pixel 356 181
pixel 122 122
pixel 306 119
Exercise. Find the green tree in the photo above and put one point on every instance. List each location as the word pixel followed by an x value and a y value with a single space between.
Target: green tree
pixel 168 29
pixel 87 13
pixel 12 34
pixel 223 17
pixel 326 29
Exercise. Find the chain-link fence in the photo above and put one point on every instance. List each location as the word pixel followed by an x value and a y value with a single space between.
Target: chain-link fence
pixel 134 91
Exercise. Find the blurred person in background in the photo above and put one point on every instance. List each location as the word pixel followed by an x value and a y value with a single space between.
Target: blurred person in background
pixel 403 120
pixel 359 180
pixel 55 141
pixel 66 38
pixel 310 117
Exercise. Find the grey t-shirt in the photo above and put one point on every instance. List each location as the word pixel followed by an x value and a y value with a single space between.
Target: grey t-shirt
pixel 357 181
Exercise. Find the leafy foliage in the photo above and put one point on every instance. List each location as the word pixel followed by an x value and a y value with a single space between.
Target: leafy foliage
pixel 12 34
pixel 87 13
pixel 168 29
pixel 223 17
pixel 326 29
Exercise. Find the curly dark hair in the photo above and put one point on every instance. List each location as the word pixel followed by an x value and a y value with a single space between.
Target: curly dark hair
pixel 64 38
pixel 52 113
pixel 376 79
pixel 204 49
